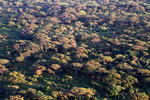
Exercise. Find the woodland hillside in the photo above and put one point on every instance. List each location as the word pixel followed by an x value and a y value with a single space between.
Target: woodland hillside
pixel 74 49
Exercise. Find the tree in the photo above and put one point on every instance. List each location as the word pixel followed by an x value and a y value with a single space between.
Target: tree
pixel 61 58
pixel 16 77
pixel 139 96
pixel 3 69
pixel 55 20
pixel 25 49
pixel 16 97
pixel 92 66
pixel 55 67
pixel 129 81
pixel 81 56
pixel 112 79
pixel 39 72
pixel 80 92
pixel 77 67
pixel 4 61
pixel 68 17
pixel 11 23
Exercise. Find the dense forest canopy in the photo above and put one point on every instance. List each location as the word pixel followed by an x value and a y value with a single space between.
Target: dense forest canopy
pixel 74 49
